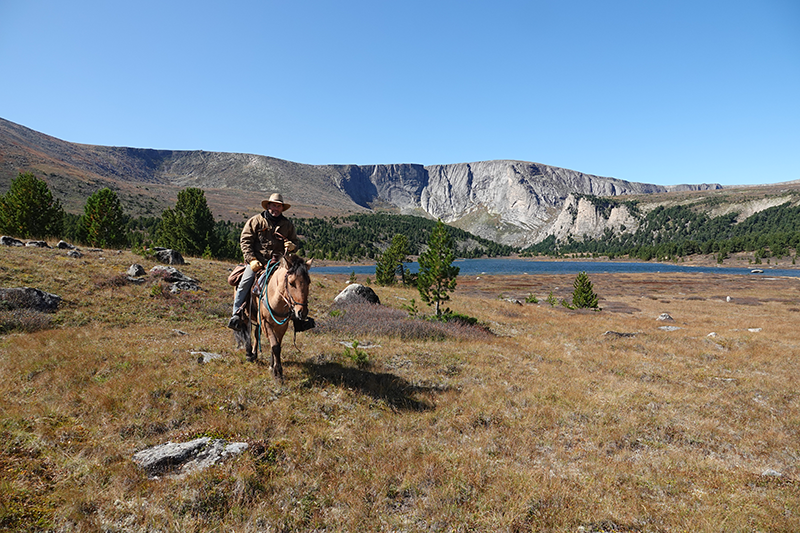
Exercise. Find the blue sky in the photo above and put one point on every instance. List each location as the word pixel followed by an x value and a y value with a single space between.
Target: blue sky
pixel 661 92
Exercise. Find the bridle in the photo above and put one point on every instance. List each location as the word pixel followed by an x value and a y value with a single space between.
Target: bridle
pixel 286 296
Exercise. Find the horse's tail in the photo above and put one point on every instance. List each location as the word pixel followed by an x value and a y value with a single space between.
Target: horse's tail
pixel 241 337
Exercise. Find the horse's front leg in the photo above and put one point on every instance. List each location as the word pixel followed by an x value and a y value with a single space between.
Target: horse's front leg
pixel 275 335
pixel 275 362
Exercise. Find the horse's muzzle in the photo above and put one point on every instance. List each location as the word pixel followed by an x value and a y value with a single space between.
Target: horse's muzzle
pixel 299 312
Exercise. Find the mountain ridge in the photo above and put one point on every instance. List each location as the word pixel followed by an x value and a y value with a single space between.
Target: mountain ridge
pixel 509 201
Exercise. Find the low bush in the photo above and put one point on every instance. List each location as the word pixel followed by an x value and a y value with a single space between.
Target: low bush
pixel 377 320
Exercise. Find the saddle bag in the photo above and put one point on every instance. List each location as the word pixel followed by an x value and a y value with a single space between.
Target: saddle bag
pixel 236 275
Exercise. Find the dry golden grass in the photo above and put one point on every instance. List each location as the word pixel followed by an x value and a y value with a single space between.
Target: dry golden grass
pixel 547 425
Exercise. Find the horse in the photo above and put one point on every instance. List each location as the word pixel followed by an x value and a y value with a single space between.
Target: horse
pixel 285 297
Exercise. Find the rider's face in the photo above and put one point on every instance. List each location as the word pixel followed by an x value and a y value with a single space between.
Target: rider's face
pixel 274 208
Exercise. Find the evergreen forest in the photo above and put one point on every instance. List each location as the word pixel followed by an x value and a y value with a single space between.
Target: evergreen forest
pixel 669 233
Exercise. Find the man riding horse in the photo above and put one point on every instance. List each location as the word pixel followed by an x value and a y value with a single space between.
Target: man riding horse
pixel 266 236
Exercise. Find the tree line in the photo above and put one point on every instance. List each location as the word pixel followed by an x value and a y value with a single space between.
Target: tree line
pixel 670 233
pixel 29 210
pixel 361 236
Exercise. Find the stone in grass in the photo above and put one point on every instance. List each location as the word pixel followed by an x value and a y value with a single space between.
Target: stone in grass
pixel 177 459
pixel 356 293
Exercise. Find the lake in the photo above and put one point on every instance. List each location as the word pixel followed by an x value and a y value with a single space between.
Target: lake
pixel 508 266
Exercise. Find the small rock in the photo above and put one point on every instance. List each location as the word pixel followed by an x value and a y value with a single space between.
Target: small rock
pixel 75 253
pixel 712 334
pixel 179 286
pixel 771 473
pixel 728 298
pixel 136 270
pixel 37 244
pixel 753 330
pixel 665 317
pixel 205 357
pixel 669 328
pixel 64 245
pixel 619 334
pixel 10 241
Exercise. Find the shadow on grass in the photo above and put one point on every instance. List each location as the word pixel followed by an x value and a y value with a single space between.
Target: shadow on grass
pixel 394 390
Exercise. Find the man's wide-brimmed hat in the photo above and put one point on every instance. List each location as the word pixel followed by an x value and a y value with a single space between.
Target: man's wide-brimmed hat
pixel 276 198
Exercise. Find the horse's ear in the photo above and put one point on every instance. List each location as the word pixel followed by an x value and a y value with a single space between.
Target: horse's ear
pixel 308 263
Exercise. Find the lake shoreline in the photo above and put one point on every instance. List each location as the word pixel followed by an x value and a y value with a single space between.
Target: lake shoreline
pixel 742 260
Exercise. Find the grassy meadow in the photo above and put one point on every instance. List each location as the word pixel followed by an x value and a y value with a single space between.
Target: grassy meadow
pixel 552 420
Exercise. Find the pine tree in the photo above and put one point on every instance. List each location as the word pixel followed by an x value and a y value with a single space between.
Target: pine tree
pixel 437 276
pixel 29 210
pixel 103 221
pixel 189 228
pixel 583 296
pixel 392 259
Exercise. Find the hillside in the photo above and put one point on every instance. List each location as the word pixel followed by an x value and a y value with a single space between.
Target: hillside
pixel 555 420
pixel 510 202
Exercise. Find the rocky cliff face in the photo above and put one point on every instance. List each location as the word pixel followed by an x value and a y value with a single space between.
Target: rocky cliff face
pixel 512 202
pixel 581 218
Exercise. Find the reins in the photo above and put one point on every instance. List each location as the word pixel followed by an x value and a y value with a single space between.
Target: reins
pixel 263 293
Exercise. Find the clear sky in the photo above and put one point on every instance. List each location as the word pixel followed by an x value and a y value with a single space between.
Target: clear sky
pixel 660 92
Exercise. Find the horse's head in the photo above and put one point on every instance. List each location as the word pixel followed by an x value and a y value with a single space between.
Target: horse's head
pixel 297 285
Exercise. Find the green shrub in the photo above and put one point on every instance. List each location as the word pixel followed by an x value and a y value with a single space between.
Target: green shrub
pixel 583 296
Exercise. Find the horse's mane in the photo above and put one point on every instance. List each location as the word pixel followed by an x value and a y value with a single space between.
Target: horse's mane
pixel 295 265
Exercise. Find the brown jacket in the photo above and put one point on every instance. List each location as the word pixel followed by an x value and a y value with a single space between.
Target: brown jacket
pixel 258 240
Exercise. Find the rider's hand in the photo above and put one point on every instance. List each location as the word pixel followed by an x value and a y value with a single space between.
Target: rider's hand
pixel 289 247
pixel 255 265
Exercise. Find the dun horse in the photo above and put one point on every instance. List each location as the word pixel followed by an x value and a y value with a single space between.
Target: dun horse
pixel 284 298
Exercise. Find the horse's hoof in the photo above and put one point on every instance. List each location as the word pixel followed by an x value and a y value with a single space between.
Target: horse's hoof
pixel 252 358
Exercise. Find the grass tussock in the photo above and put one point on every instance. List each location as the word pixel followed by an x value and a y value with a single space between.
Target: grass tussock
pixel 547 424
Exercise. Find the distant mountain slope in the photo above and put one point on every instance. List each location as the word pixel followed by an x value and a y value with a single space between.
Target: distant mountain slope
pixel 511 202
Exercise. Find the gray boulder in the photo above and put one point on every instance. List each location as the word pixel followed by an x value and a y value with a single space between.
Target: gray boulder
pixel 136 270
pixel 170 274
pixel 356 293
pixel 169 257
pixel 10 241
pixel 179 286
pixel 37 244
pixel 180 458
pixel 75 253
pixel 29 298
pixel 63 245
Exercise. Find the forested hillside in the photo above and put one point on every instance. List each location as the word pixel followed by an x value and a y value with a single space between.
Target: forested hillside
pixel 679 231
pixel 368 235
pixel 347 238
